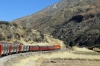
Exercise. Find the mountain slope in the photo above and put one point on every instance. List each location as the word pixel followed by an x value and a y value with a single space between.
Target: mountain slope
pixel 82 29
pixel 13 33
pixel 53 15
pixel 76 22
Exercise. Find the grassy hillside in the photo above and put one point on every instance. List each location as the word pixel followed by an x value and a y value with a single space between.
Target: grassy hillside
pixel 14 33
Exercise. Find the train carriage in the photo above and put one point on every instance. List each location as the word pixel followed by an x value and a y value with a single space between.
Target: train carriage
pixel 15 48
pixel 43 48
pixel 34 48
pixel 4 49
pixel 25 48
pixel 51 47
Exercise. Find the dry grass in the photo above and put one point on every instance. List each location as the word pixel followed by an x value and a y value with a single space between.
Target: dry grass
pixel 73 55
pixel 62 62
pixel 68 56
pixel 84 51
pixel 77 57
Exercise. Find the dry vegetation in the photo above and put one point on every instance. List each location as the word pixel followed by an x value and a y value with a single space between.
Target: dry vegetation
pixel 61 62
pixel 60 58
pixel 78 57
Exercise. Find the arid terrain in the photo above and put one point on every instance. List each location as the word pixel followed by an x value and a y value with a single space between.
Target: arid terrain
pixel 65 62
pixel 71 23
pixel 56 58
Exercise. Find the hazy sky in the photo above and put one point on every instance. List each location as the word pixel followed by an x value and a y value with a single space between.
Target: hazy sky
pixel 13 9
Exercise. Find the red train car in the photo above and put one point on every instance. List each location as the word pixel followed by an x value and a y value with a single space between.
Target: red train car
pixel 51 47
pixel 43 48
pixel 34 48
pixel 4 49
pixel 0 49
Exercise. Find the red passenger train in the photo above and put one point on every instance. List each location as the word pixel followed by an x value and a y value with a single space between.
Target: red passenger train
pixel 6 49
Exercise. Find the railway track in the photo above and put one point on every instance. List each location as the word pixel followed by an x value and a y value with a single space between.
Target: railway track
pixel 13 57
pixel 33 53
pixel 12 53
pixel 36 52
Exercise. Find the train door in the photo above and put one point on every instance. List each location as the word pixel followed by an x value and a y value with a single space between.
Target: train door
pixel 0 50
pixel 20 48
pixel 5 49
pixel 25 48
pixel 10 49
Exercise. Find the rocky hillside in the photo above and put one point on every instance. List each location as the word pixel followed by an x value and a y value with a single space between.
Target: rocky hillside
pixel 76 22
pixel 83 28
pixel 53 15
pixel 13 33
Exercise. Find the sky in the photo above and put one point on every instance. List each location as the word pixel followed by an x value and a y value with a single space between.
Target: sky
pixel 13 9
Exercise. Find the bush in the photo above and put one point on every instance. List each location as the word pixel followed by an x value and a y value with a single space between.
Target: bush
pixel 71 43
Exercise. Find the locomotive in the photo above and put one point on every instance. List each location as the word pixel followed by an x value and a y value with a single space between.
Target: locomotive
pixel 6 48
